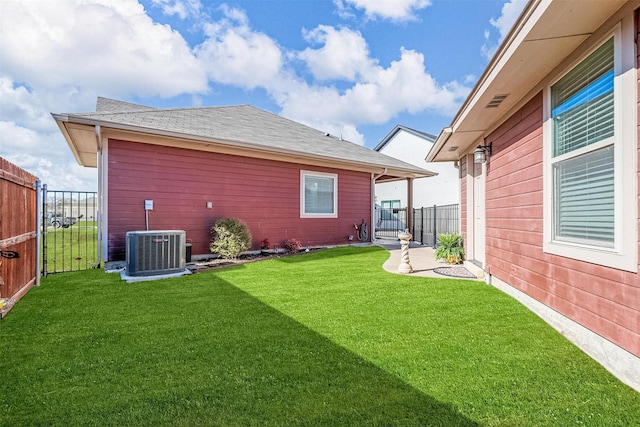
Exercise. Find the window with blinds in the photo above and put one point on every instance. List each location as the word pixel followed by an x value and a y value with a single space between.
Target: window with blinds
pixel 582 109
pixel 319 194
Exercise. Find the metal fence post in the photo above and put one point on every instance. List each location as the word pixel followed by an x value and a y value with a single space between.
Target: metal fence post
pixel 435 227
pixel 43 224
pixel 413 220
pixel 422 225
pixel 39 210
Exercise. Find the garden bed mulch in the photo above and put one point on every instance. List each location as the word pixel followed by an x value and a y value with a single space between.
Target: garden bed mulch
pixel 457 271
pixel 216 263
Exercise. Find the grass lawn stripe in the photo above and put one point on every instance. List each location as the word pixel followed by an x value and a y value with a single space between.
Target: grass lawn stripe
pixel 327 338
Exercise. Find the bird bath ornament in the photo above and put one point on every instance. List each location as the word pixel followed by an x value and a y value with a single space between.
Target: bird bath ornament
pixel 405 264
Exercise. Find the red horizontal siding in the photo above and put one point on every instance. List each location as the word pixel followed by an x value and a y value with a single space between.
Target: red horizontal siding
pixel 265 194
pixel 604 300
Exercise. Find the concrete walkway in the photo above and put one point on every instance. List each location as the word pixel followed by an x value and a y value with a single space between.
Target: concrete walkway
pixel 421 258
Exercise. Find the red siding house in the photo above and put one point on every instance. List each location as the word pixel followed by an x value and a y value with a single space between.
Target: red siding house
pixel 550 215
pixel 283 179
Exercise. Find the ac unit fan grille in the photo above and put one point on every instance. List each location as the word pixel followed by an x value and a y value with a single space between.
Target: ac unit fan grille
pixel 155 253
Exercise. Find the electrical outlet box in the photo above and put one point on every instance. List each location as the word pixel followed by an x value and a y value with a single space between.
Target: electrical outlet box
pixel 148 205
pixel 209 205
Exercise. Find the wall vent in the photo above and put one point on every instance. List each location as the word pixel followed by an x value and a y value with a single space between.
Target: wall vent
pixel 151 253
pixel 497 100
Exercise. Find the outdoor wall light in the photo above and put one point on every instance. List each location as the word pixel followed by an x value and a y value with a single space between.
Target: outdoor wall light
pixel 482 153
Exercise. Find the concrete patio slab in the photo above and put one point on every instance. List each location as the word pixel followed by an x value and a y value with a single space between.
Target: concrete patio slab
pixel 421 257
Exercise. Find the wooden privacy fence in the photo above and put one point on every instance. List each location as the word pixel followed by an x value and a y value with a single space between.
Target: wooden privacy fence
pixel 18 233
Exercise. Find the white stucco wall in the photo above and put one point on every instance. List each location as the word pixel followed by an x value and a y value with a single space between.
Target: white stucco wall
pixel 443 189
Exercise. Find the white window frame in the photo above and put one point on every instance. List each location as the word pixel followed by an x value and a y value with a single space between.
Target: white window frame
pixel 303 175
pixel 624 253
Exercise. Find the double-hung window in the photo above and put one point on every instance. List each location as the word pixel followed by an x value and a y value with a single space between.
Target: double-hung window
pixel 318 195
pixel 588 181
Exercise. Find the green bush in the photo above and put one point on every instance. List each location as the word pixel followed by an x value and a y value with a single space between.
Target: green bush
pixel 230 237
pixel 450 248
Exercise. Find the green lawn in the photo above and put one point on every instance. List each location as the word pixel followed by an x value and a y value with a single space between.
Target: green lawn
pixel 327 339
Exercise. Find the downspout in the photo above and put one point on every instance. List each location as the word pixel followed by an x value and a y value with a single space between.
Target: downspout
pixel 100 196
pixel 38 228
pixel 410 204
pixel 373 203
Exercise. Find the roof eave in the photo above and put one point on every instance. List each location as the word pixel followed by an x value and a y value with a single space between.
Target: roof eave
pixel 81 138
pixel 78 142
pixel 534 47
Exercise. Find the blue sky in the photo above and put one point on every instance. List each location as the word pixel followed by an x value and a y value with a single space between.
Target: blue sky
pixel 354 68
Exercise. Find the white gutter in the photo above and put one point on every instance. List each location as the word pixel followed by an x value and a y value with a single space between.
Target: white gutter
pixel 440 141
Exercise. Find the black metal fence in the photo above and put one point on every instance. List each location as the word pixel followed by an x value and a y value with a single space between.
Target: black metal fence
pixel 428 223
pixel 69 231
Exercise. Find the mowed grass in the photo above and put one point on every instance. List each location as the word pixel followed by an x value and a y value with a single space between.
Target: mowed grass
pixel 327 338
pixel 73 248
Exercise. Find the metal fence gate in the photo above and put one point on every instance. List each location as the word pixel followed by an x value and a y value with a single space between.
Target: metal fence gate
pixel 69 231
pixel 428 223
pixel 389 221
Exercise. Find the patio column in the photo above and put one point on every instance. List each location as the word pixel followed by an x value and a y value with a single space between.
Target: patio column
pixel 410 204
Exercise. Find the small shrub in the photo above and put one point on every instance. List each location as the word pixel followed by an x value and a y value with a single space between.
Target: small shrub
pixel 450 248
pixel 265 244
pixel 230 237
pixel 292 245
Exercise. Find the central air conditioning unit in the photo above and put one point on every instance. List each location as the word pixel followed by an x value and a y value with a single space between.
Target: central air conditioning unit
pixel 151 253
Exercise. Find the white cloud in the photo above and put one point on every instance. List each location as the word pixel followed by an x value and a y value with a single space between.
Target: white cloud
pixel 344 54
pixel 397 10
pixel 58 56
pixel 404 86
pixel 510 12
pixel 182 8
pixel 45 155
pixel 234 54
pixel 369 93
pixel 110 46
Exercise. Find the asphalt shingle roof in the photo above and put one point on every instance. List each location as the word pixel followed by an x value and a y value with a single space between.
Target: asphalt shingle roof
pixel 240 124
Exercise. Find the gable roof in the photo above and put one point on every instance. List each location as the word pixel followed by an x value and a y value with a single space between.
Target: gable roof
pixel 546 33
pixel 426 136
pixel 240 129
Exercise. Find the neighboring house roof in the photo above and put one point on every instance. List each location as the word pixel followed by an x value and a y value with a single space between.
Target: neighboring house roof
pixel 107 105
pixel 239 129
pixel 545 34
pixel 397 129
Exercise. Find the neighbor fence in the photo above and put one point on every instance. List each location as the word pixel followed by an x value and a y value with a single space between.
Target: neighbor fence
pixel 70 231
pixel 428 222
pixel 18 233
